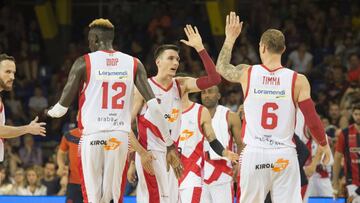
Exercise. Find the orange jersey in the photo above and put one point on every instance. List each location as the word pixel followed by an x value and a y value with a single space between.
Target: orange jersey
pixel 69 143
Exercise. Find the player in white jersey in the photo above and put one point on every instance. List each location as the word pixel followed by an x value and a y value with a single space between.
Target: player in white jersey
pixel 7 77
pixel 196 125
pixel 218 172
pixel 318 174
pixel 163 187
pixel 272 95
pixel 105 79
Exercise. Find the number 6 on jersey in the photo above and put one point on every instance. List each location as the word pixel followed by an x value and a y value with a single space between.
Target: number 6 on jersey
pixel 266 115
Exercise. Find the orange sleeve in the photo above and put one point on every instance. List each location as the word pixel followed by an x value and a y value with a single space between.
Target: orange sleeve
pixel 64 146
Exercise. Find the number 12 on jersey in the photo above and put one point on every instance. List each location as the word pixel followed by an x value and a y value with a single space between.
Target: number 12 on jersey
pixel 268 114
pixel 116 103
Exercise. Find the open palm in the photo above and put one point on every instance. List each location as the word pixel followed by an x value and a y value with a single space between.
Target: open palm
pixel 194 38
pixel 233 26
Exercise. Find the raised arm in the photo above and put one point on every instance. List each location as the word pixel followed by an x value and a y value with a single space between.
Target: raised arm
pixel 189 84
pixel 312 120
pixel 211 137
pixel 232 31
pixel 77 76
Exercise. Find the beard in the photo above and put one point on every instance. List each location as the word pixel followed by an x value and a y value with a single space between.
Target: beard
pixel 4 86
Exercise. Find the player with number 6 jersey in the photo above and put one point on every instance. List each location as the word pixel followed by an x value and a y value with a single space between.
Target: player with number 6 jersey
pixel 272 94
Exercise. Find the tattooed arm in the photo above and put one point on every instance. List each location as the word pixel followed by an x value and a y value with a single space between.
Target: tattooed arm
pixel 232 31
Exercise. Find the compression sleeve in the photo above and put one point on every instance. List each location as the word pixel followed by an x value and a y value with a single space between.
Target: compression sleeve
pixel 213 77
pixel 312 121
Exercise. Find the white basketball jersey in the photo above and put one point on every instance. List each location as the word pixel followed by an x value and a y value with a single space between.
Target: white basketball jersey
pixel 2 122
pixel 270 108
pixel 221 128
pixel 220 125
pixel 191 146
pixel 170 103
pixel 106 100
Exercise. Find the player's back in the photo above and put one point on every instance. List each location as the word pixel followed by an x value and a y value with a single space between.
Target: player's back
pixel 270 108
pixel 106 99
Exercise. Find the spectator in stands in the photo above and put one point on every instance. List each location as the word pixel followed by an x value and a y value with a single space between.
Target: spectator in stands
pixel 29 153
pixel 18 182
pixel 37 103
pixel 5 184
pixel 33 184
pixel 50 179
pixel 300 60
pixel 353 74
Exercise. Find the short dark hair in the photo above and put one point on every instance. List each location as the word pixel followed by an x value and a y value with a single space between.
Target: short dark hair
pixel 4 57
pixel 164 47
pixel 356 107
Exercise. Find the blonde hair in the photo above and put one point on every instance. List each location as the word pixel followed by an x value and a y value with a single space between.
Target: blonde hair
pixel 274 40
pixel 101 23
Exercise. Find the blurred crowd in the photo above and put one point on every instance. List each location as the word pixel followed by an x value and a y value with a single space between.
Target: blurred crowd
pixel 322 40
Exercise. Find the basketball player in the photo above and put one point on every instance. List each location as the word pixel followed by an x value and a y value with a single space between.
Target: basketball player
pixel 7 77
pixel 272 94
pixel 218 183
pixel 196 125
pixel 105 79
pixel 68 150
pixel 319 183
pixel 163 187
pixel 348 146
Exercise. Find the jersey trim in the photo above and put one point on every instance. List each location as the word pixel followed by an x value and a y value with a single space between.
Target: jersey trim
pixel 199 119
pixel 229 131
pixel 293 88
pixel 82 92
pixel 248 82
pixel 108 51
pixel 135 67
pixel 189 108
pixel 160 86
pixel 268 69
pixel 178 87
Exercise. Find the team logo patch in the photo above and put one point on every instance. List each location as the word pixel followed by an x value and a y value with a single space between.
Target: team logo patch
pixel 277 166
pixel 280 165
pixel 186 134
pixel 173 116
pixel 110 144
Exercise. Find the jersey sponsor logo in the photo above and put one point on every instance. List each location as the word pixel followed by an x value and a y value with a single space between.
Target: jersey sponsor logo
pixel 110 144
pixel 186 134
pixel 111 119
pixel 106 74
pixel 264 93
pixel 277 166
pixel 173 116
pixel 280 165
pixel 267 139
pixel 112 61
pixel 271 80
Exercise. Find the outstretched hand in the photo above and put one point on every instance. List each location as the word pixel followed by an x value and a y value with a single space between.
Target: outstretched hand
pixel 36 128
pixel 233 27
pixel 194 38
